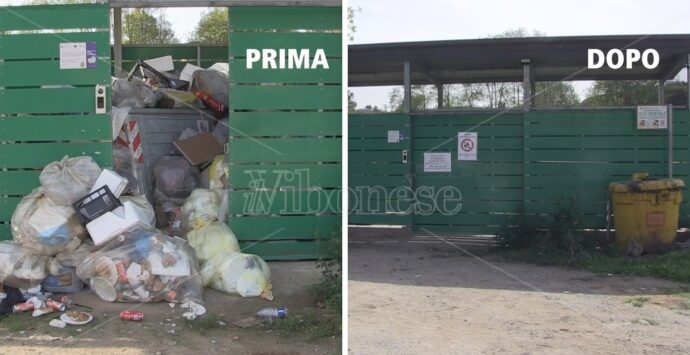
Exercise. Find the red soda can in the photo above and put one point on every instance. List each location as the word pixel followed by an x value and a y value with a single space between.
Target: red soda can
pixel 55 305
pixel 121 272
pixel 132 315
pixel 23 307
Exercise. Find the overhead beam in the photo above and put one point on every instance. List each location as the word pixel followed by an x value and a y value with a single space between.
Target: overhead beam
pixel 219 3
pixel 674 68
pixel 426 73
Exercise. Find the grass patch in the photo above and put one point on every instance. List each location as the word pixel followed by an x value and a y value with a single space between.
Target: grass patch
pixel 311 325
pixel 638 301
pixel 203 325
pixel 673 266
pixel 14 323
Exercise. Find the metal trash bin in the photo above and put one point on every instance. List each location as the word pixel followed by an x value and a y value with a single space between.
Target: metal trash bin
pixel 646 213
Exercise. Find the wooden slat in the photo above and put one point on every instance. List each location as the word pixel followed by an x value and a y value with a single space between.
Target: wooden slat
pixel 283 250
pixel 301 202
pixel 47 72
pixel 48 45
pixel 285 18
pixel 240 74
pixel 44 101
pixel 7 206
pixel 306 97
pixel 264 124
pixel 53 128
pixel 38 155
pixel 328 42
pixel 285 175
pixel 285 150
pixel 284 227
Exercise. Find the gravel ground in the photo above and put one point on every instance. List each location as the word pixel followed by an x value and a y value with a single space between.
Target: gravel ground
pixel 412 298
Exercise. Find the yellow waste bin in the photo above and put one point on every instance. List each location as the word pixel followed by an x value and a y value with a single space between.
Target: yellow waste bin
pixel 646 213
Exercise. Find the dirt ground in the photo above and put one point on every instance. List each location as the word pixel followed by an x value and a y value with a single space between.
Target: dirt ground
pixel 413 298
pixel 164 331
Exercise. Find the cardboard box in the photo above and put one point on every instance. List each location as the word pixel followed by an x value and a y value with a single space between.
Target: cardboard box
pixel 188 71
pixel 200 148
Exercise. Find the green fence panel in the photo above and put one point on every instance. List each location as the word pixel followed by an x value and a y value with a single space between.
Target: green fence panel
pixel 45 112
pixel 285 133
pixel 379 178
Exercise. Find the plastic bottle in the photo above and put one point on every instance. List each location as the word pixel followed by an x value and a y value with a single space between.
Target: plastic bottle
pixel 279 312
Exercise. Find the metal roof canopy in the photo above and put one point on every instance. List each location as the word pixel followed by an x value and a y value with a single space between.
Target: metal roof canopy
pixel 219 3
pixel 503 60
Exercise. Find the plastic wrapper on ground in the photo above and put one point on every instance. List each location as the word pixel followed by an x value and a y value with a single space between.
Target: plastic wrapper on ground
pixel 212 238
pixel 19 267
pixel 143 266
pixel 44 227
pixel 237 273
pixel 69 179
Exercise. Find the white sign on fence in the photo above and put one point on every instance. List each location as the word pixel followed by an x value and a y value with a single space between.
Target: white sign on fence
pixel 437 162
pixel 652 117
pixel 467 146
pixel 393 136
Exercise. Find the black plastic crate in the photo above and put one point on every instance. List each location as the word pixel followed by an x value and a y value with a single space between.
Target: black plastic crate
pixel 96 204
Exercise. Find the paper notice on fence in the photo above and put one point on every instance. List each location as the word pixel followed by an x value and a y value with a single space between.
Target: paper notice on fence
pixel 467 146
pixel 393 136
pixel 652 117
pixel 73 55
pixel 437 162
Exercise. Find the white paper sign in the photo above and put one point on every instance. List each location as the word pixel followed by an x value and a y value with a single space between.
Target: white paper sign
pixel 652 117
pixel 393 136
pixel 73 55
pixel 467 146
pixel 437 162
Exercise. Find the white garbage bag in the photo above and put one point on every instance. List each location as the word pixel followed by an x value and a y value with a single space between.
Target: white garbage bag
pixel 212 238
pixel 19 267
pixel 244 274
pixel 45 227
pixel 69 179
pixel 201 206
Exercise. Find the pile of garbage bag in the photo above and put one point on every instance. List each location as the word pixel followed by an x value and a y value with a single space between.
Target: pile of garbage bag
pixel 224 267
pixel 143 266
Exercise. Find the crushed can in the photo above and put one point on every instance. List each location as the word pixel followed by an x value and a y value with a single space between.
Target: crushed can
pixel 23 307
pixel 132 315
pixel 121 272
pixel 55 305
pixel 67 300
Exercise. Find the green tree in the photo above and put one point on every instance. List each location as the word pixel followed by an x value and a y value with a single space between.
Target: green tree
pixel 351 26
pixel 212 27
pixel 607 93
pixel 147 26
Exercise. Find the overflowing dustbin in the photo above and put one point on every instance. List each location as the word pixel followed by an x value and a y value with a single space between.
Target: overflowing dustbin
pixel 646 213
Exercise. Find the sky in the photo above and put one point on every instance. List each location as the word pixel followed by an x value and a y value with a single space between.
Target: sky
pixel 401 21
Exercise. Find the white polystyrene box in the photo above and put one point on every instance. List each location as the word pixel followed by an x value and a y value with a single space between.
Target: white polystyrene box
pixel 125 218
pixel 115 182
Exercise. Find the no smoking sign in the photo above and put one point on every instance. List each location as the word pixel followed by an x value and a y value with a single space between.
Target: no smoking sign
pixel 467 146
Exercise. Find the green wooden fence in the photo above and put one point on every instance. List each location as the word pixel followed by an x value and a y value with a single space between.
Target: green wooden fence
pixel 534 159
pixel 285 129
pixel 39 124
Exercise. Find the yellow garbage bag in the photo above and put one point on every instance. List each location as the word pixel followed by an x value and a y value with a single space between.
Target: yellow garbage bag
pixel 244 274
